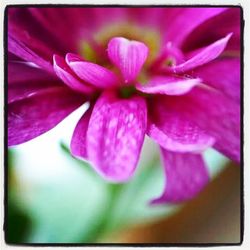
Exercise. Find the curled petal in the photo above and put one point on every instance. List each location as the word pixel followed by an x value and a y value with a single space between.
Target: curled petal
pixel 78 141
pixel 206 55
pixel 93 73
pixel 70 57
pixel 64 72
pixel 186 175
pixel 115 135
pixel 168 85
pixel 35 115
pixel 128 56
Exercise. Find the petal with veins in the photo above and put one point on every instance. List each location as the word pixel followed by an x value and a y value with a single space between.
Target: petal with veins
pixel 168 85
pixel 186 176
pixel 21 50
pixel 64 72
pixel 93 73
pixel 78 141
pixel 128 56
pixel 174 131
pixel 24 80
pixel 212 111
pixel 205 55
pixel 222 74
pixel 35 115
pixel 188 19
pixel 115 135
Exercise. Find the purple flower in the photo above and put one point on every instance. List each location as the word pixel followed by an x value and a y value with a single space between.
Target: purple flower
pixel 170 73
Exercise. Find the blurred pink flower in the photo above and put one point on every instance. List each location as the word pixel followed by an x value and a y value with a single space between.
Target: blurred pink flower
pixel 170 73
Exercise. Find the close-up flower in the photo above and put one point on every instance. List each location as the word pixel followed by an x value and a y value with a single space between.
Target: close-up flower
pixel 168 73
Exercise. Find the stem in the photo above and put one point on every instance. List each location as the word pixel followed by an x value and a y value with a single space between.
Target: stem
pixel 103 225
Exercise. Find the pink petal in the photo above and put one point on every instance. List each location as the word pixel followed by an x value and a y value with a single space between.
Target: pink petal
pixel 70 57
pixel 168 85
pixel 19 71
pixel 174 131
pixel 186 176
pixel 216 27
pixel 93 73
pixel 115 135
pixel 222 74
pixel 181 136
pixel 188 19
pixel 220 116
pixel 204 56
pixel 25 80
pixel 73 25
pixel 19 91
pixel 67 26
pixel 64 72
pixel 128 56
pixel 156 16
pixel 24 28
pixel 35 115
pixel 21 50
pixel 78 141
pixel 215 113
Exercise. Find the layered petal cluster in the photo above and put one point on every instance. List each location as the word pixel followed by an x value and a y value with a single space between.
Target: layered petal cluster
pixel 172 74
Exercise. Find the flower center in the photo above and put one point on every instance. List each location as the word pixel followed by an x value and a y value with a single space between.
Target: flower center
pixel 91 51
pixel 127 91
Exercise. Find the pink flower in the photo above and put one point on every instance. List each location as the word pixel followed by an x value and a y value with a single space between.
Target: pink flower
pixel 170 73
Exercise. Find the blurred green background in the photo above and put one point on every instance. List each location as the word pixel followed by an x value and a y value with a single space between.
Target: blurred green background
pixel 55 198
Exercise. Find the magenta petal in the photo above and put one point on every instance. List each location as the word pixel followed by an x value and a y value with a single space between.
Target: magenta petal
pixel 186 176
pixel 180 135
pixel 21 50
pixel 128 56
pixel 174 131
pixel 115 135
pixel 21 90
pixel 19 71
pixel 219 115
pixel 25 80
pixel 222 74
pixel 216 27
pixel 206 55
pixel 93 73
pixel 35 115
pixel 78 141
pixel 70 57
pixel 186 20
pixel 64 72
pixel 168 85
pixel 215 113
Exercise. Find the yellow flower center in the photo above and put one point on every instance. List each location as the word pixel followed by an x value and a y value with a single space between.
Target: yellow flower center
pixel 127 30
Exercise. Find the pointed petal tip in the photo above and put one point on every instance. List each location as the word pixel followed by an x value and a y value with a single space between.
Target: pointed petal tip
pixel 57 61
pixel 205 55
pixel 70 58
pixel 64 72
pixel 168 85
pixel 94 74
